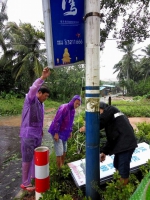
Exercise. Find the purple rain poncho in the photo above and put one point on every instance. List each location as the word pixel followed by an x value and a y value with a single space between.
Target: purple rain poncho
pixel 63 121
pixel 31 131
pixel 33 113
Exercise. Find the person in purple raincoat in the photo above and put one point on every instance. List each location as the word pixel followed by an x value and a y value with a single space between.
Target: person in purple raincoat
pixel 31 130
pixel 61 128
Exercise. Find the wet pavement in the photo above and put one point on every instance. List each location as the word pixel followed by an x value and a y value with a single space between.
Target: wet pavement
pixel 10 155
pixel 10 162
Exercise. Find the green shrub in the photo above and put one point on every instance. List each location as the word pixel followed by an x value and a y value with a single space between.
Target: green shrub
pixel 115 190
pixel 143 132
pixel 11 105
pixel 134 108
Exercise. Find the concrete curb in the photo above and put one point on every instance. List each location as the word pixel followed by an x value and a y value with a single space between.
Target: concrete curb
pixel 20 193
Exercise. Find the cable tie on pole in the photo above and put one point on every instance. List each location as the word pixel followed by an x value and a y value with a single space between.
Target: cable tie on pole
pixel 93 14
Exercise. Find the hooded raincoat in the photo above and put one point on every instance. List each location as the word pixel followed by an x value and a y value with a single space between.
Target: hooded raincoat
pixel 119 132
pixel 31 131
pixel 33 113
pixel 63 121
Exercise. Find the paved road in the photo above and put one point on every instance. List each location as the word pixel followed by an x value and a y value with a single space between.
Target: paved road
pixel 10 160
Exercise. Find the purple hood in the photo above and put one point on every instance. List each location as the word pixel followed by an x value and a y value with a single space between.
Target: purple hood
pixel 63 120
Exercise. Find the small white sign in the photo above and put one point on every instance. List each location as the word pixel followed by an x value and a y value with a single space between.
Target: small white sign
pixel 139 157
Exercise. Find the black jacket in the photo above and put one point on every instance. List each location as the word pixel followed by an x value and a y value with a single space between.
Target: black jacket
pixel 119 132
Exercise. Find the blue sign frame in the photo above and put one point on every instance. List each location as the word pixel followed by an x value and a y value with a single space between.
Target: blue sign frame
pixel 67 31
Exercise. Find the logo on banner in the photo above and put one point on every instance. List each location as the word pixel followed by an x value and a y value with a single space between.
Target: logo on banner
pixel 73 9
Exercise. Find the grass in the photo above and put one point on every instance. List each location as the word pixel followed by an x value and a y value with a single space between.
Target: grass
pixel 13 106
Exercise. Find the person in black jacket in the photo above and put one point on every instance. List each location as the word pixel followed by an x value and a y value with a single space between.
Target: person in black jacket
pixel 121 140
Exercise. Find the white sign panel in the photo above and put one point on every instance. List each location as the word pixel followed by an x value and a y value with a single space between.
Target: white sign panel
pixel 139 157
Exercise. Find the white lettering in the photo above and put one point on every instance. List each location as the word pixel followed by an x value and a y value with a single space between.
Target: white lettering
pixel 73 9
pixel 64 4
pixel 70 42
pixel 59 42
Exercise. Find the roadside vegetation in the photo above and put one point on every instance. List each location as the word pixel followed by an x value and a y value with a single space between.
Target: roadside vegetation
pixel 10 104
pixel 139 106
pixel 62 185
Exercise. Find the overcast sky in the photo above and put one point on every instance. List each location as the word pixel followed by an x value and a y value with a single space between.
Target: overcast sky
pixel 30 11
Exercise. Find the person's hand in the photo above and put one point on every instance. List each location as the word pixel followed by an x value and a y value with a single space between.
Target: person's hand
pixel 82 129
pixel 102 157
pixel 45 73
pixel 56 137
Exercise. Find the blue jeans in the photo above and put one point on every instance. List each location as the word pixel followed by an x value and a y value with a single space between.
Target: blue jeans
pixel 122 162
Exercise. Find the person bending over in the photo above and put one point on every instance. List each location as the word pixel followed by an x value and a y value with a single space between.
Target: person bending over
pixel 61 128
pixel 121 140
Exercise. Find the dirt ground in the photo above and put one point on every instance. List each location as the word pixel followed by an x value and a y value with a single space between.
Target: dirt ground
pixel 16 120
pixel 135 120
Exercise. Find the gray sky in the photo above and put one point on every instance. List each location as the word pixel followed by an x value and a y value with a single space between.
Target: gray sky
pixel 30 11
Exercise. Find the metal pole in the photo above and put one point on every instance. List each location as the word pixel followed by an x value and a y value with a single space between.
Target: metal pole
pixel 109 100
pixel 92 60
pixel 48 32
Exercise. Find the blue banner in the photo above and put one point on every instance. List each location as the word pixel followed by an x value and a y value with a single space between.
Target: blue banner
pixel 67 31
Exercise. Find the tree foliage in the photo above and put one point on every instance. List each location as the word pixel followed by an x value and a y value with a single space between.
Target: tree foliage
pixel 132 73
pixel 133 17
pixel 23 55
pixel 64 82
pixel 138 89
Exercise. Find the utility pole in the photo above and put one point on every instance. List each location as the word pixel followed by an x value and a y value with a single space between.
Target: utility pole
pixel 92 60
pixel 48 32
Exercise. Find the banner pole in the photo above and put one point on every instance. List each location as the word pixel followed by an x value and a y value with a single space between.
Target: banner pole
pixel 92 60
pixel 48 32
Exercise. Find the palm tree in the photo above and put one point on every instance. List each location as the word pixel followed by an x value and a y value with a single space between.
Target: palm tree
pixel 25 57
pixel 6 81
pixel 127 66
pixel 3 18
pixel 128 59
pixel 119 67
pixel 3 15
pixel 145 62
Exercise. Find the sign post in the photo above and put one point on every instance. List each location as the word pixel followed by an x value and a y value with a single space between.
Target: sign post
pixel 48 32
pixel 92 60
pixel 64 30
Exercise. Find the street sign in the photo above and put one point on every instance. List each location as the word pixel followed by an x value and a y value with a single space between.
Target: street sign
pixel 139 157
pixel 67 26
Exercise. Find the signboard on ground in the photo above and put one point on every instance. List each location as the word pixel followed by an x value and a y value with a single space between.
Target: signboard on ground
pixel 139 157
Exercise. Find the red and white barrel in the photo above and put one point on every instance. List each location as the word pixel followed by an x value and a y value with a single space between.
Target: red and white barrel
pixel 42 179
